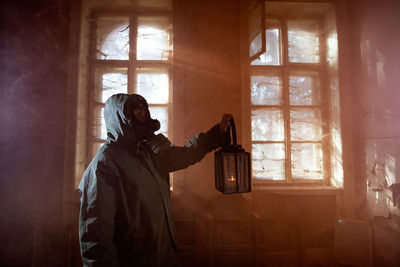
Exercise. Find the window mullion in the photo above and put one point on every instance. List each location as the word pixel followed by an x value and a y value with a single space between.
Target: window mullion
pixel 286 104
pixel 284 45
pixel 325 106
pixel 286 114
pixel 91 93
pixel 132 53
pixel 170 102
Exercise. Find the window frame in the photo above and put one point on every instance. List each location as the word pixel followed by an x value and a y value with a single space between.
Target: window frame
pixel 284 70
pixel 132 65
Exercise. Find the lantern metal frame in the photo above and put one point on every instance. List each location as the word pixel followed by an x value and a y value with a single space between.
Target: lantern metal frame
pixel 241 181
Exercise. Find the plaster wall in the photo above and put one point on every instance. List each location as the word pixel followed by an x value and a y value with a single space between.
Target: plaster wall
pixel 33 52
pixel 378 108
pixel 377 132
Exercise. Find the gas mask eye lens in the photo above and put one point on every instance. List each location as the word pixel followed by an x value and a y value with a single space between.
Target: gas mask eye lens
pixel 140 114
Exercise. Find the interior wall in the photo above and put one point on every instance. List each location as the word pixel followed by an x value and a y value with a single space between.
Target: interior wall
pixel 378 113
pixel 33 52
pixel 375 43
pixel 206 60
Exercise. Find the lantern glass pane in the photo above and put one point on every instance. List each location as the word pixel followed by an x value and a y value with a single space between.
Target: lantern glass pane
pixel 234 170
pixel 267 124
pixel 230 176
pixel 268 161
pixel 243 160
pixel 307 161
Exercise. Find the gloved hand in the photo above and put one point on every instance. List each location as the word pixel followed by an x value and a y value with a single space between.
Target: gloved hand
pixel 225 122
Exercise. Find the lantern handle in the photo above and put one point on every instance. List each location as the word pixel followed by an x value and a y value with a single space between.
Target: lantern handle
pixel 233 128
pixel 231 137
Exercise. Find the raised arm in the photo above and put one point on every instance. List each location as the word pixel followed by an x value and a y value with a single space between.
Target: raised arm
pixel 174 158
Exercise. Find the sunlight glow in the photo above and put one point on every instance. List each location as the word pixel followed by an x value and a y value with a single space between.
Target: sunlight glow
pixel 152 43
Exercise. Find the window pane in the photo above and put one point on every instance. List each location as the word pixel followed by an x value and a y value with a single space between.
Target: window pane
pixel 271 55
pixel 268 161
pixel 95 148
pixel 267 125
pixel 305 124
pixel 153 38
pixel 153 85
pixel 255 29
pixel 307 161
pixel 98 126
pixel 255 44
pixel 103 129
pixel 266 90
pixel 304 89
pixel 112 82
pixel 161 114
pixel 112 38
pixel 303 38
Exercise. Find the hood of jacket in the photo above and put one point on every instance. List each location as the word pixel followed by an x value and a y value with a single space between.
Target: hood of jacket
pixel 122 127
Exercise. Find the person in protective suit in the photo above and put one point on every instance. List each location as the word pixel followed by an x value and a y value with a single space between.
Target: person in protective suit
pixel 125 215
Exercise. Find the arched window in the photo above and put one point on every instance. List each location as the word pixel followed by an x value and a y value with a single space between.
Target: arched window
pixel 129 51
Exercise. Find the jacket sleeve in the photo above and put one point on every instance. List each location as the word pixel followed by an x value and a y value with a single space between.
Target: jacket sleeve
pixel 96 218
pixel 174 158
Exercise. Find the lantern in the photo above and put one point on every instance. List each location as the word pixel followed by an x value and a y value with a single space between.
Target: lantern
pixel 232 167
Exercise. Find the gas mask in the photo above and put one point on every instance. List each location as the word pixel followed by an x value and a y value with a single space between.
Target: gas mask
pixel 145 126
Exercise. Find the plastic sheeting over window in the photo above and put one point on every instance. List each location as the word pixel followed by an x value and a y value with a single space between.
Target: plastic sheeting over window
pixel 272 55
pixel 268 161
pixel 305 124
pixel 267 125
pixel 266 90
pixel 161 114
pixel 256 29
pixel 381 162
pixel 153 85
pixel 307 161
pixel 304 89
pixel 303 38
pixel 113 83
pixel 153 38
pixel 112 38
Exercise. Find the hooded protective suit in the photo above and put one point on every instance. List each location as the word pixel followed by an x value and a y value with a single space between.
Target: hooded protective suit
pixel 125 217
